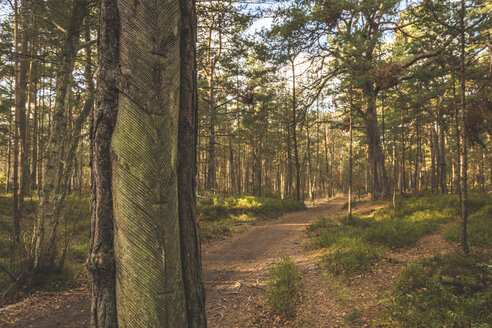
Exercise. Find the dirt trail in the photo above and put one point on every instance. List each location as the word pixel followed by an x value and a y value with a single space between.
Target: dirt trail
pixel 235 269
pixel 234 276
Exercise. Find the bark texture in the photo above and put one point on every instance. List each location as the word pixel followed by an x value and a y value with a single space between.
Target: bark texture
pixel 101 253
pixel 144 153
pixel 187 170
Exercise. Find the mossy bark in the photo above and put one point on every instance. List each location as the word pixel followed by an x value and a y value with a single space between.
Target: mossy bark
pixel 144 150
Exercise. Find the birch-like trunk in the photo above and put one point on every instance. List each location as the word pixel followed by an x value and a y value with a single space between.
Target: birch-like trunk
pixel 53 194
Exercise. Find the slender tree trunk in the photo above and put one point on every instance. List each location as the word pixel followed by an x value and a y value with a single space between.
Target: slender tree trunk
pixel 9 151
pixel 211 173
pixel 294 131
pixel 442 161
pixel 463 153
pixel 101 263
pixel 187 169
pixel 350 157
pixel 288 183
pixel 15 182
pixel 21 95
pixel 309 168
pixel 35 124
pixel 403 164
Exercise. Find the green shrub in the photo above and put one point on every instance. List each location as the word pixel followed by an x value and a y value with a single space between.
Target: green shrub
pixel 283 287
pixel 351 255
pixel 449 290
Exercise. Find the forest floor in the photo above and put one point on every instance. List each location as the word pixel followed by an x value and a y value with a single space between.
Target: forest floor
pixel 235 273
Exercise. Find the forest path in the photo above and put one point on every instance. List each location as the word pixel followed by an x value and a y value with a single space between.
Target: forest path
pixel 235 270
pixel 234 273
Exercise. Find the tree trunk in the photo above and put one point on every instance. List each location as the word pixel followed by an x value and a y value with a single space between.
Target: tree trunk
pixel 21 95
pixel 15 178
pixel 53 192
pixel 350 158
pixel 150 285
pixel 442 161
pixel 379 180
pixel 187 136
pixel 463 153
pixel 211 172
pixel 101 263
pixel 294 131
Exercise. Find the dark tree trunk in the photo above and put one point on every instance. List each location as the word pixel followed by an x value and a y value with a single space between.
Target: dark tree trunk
pixel 21 96
pixel 463 153
pixel 187 169
pixel 294 132
pixel 101 263
pixel 378 178
pixel 442 160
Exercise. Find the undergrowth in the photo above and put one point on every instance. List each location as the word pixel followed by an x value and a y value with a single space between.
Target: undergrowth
pixel 283 287
pixel 479 228
pixel 73 245
pixel 353 246
pixel 221 215
pixel 451 290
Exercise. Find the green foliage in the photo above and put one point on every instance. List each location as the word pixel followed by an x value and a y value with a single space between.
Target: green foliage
pixel 283 287
pixel 220 215
pixel 451 290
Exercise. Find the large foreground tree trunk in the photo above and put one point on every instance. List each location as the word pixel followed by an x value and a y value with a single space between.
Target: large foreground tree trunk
pixel 149 218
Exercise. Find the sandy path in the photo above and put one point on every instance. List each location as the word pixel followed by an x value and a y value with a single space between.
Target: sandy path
pixel 234 276
pixel 235 269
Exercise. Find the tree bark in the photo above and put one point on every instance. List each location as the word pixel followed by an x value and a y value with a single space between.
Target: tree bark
pixel 379 180
pixel 146 161
pixel 294 131
pixel 187 169
pixel 101 263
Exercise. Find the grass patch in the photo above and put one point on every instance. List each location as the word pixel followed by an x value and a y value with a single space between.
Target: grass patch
pixel 283 287
pixel 479 228
pixel 352 255
pixel 451 290
pixel 220 215
pixel 354 246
